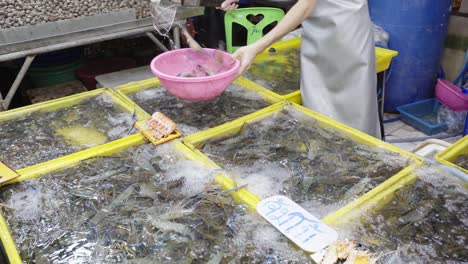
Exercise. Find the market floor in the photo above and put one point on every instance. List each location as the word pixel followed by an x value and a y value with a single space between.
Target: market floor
pixel 399 131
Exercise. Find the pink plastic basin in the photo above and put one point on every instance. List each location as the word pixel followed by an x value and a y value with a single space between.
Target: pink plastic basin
pixel 168 65
pixel 451 95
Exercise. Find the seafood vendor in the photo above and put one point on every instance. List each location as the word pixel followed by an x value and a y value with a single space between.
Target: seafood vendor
pixel 337 59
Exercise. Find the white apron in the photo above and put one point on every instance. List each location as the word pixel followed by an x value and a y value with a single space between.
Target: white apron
pixel 338 76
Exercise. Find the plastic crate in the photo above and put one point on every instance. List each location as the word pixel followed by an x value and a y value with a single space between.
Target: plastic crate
pixel 7 242
pixel 225 131
pixel 6 239
pixel 383 60
pixel 422 115
pixel 294 97
pixel 49 167
pixel 450 155
pixel 377 203
pixel 130 91
pixel 78 133
pixel 273 62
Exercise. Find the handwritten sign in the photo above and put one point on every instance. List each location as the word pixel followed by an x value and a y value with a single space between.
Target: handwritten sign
pixel 156 127
pixel 7 173
pixel 304 229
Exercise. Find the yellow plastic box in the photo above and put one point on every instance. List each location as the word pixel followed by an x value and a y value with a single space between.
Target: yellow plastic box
pixel 131 89
pixel 197 140
pixel 79 133
pixel 265 58
pixel 377 201
pixel 356 213
pixel 383 60
pixel 119 145
pixel 450 155
pixel 62 163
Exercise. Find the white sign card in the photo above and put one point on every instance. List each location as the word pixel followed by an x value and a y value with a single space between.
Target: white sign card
pixel 301 227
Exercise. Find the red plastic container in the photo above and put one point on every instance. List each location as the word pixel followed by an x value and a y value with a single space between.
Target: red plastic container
pixel 88 72
pixel 451 95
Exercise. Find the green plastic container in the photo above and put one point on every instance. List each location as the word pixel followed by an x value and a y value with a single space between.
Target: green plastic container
pixel 47 76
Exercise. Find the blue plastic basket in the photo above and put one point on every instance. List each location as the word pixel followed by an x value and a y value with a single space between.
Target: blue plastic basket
pixel 422 115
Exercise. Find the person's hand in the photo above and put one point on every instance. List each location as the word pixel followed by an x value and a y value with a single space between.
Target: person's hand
pixel 229 5
pixel 246 55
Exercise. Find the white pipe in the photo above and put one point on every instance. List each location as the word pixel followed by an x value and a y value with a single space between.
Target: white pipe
pixel 176 35
pixel 17 82
pixel 156 41
pixel 1 102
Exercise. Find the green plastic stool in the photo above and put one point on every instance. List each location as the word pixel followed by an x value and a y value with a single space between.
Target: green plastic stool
pixel 255 32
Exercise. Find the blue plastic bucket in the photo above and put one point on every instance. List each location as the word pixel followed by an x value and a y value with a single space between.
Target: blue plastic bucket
pixel 417 31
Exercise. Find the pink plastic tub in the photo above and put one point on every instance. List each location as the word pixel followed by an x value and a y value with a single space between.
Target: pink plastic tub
pixel 168 65
pixel 451 96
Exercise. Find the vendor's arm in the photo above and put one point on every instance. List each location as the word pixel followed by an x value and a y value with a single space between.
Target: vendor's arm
pixel 229 5
pixel 295 16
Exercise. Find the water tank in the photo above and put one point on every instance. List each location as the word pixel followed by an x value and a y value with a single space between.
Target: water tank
pixel 417 31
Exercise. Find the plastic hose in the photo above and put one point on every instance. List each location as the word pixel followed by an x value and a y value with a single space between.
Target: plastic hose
pixel 403 140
